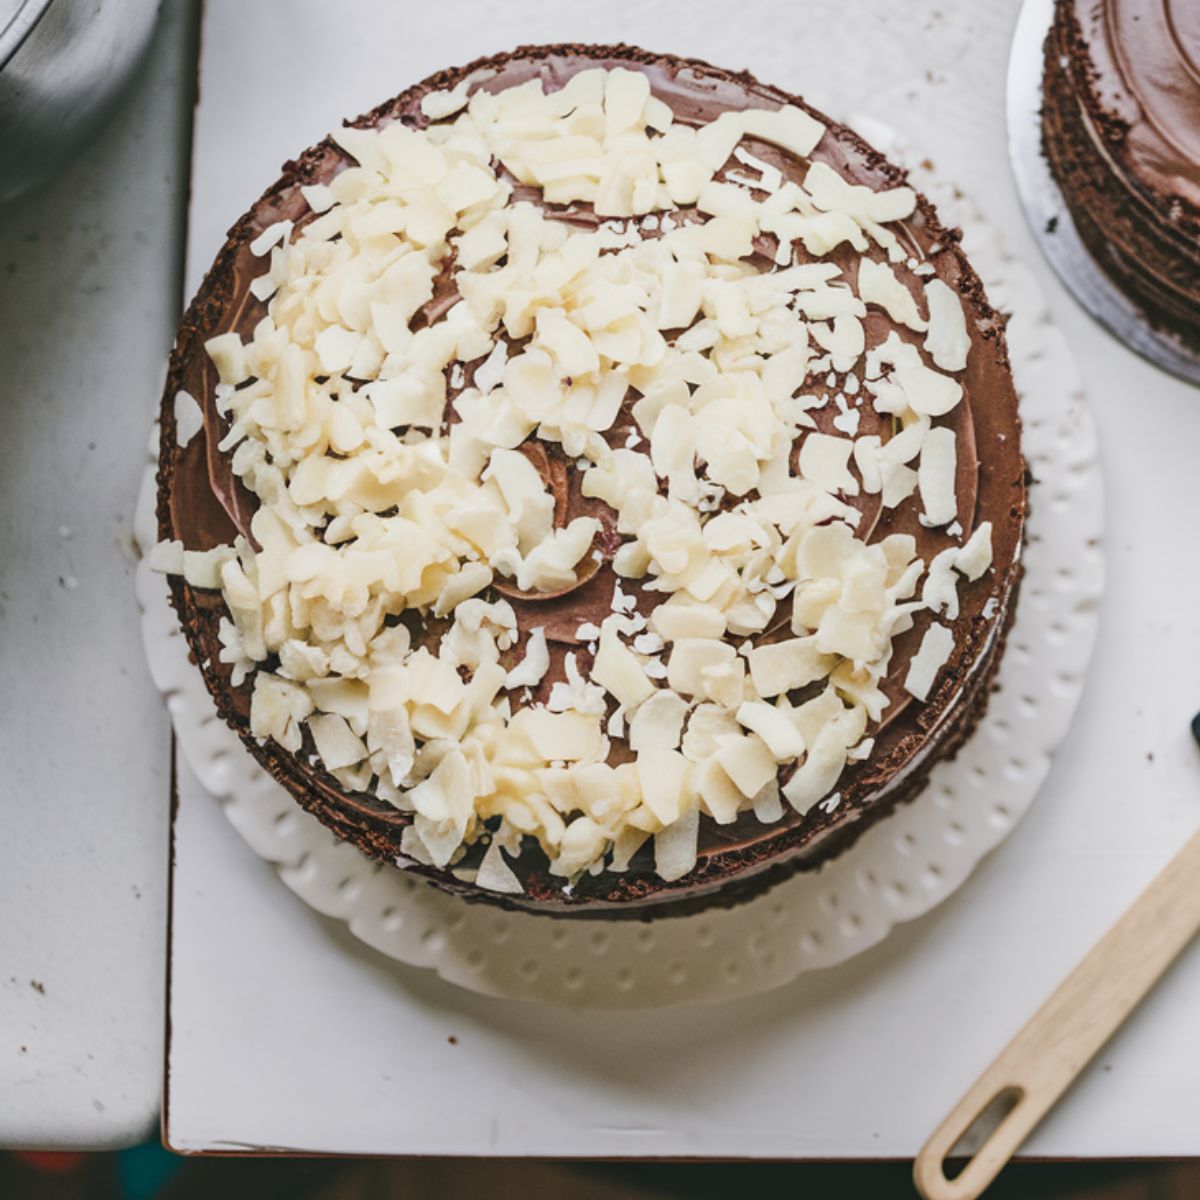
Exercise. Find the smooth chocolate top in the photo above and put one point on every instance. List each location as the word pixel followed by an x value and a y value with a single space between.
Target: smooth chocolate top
pixel 1145 88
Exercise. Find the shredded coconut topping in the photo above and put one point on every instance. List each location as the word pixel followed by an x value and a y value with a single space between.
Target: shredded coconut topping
pixel 383 491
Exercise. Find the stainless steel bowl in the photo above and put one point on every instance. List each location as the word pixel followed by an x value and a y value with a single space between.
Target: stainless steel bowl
pixel 62 65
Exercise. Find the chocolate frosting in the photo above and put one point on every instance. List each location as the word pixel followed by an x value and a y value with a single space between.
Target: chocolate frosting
pixel 204 504
pixel 1121 133
pixel 1146 59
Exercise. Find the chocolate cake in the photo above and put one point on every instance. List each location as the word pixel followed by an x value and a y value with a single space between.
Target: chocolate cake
pixel 1121 132
pixel 592 481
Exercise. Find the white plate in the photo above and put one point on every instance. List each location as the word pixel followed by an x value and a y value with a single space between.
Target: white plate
pixel 898 870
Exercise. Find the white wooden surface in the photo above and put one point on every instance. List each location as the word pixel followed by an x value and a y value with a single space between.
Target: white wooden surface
pixel 287 1034
pixel 89 279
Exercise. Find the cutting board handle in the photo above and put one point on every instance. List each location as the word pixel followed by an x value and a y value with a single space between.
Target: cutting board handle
pixel 1063 1036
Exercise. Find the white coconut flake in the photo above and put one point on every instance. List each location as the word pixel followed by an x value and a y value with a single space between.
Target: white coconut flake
pixel 270 237
pixel 189 420
pixel 166 558
pixel 768 807
pixel 936 476
pixel 879 285
pixel 495 875
pixel 622 602
pixel 437 106
pixel 413 848
pixel 675 846
pixel 490 373
pixel 975 557
pixel 263 288
pixel 847 421
pixel 936 647
pixel 830 803
pixel 533 666
pixel 615 725
pixel 318 196
pixel 824 461
pixel 947 341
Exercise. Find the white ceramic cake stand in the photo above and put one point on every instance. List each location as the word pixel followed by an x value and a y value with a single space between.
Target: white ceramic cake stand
pixel 898 870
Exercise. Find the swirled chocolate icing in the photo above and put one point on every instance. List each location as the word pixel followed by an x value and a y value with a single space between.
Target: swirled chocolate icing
pixel 202 503
pixel 1121 131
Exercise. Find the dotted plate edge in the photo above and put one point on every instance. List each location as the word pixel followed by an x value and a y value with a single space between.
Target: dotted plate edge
pixel 898 870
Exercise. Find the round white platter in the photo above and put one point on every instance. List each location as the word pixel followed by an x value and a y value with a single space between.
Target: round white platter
pixel 898 870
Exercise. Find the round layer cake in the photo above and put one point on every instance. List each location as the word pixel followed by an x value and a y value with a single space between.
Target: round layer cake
pixel 1121 132
pixel 592 481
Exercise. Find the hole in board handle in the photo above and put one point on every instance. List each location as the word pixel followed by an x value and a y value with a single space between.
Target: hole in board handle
pixel 980 1130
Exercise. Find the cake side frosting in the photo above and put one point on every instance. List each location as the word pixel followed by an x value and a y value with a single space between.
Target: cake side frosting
pixel 576 592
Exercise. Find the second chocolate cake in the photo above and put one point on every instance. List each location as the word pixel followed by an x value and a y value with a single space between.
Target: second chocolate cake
pixel 1121 133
